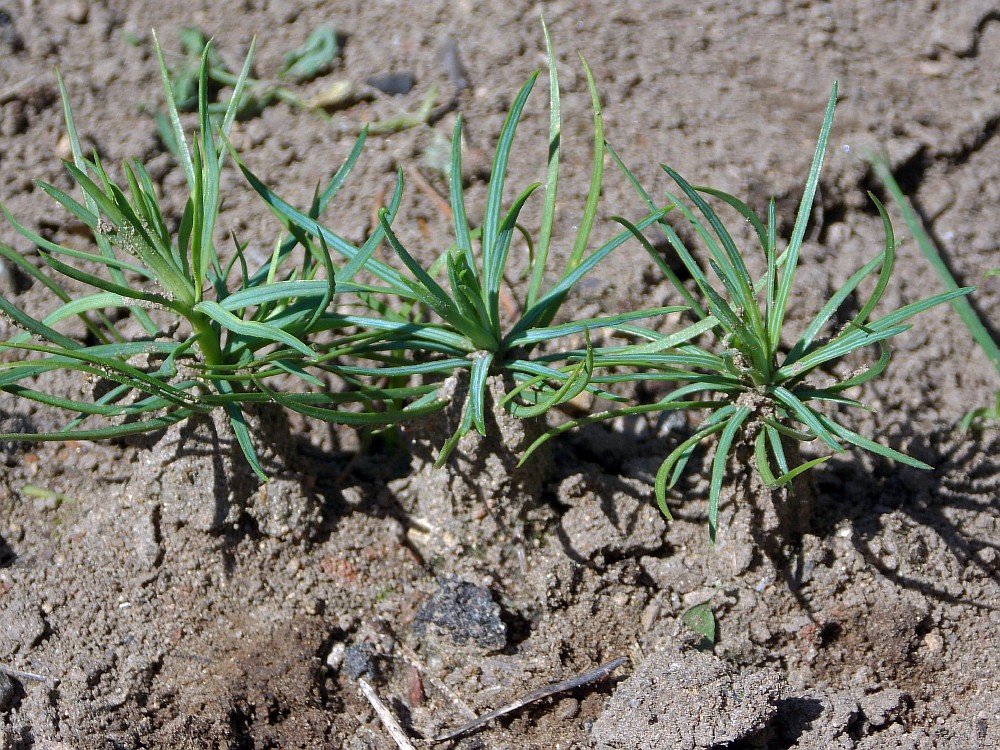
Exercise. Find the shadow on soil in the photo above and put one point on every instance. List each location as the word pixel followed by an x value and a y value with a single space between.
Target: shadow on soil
pixel 947 501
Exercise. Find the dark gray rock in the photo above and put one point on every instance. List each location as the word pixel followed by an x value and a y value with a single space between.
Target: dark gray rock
pixel 464 614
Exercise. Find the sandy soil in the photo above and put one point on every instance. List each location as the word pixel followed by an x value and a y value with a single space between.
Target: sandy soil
pixel 166 606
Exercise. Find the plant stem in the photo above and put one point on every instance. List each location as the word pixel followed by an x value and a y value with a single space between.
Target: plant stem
pixel 208 339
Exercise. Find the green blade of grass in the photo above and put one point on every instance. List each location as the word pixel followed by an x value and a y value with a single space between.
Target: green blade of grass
pixel 743 209
pixel 177 129
pixel 852 340
pixel 760 457
pixel 553 297
pixel 477 389
pixel 465 289
pixel 734 271
pixel 35 327
pixel 85 407
pixel 297 403
pixel 120 213
pixel 732 426
pixel 103 245
pixel 883 328
pixel 237 420
pixel 493 265
pixel 540 258
pixel 405 330
pixel 805 415
pixel 363 257
pixel 457 199
pixel 889 255
pixel 959 304
pixel 223 317
pixel 776 322
pixel 236 99
pixel 430 293
pixel 98 301
pixel 150 424
pixel 870 445
pixel 667 474
pixel 526 371
pixel 667 271
pixel 575 383
pixel 596 176
pixel 547 333
pixel 674 400
pixel 276 291
pixel 98 282
pixel 660 342
pixel 832 305
pixel 113 369
pixel 494 196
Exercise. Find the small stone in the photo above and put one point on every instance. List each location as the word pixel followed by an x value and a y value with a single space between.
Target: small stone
pixel 8 281
pixel 7 690
pixel 9 38
pixel 336 656
pixel 47 502
pixel 14 119
pixel 884 706
pixel 76 11
pixel 359 661
pixel 934 643
pixel 451 63
pixel 23 627
pixel 567 709
pixel 394 84
pixel 465 614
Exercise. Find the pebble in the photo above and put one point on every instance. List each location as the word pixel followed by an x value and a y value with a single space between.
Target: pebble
pixel 567 709
pixel 75 11
pixel 7 690
pixel 451 63
pixel 463 613
pixel 64 149
pixel 10 40
pixel 884 706
pixel 13 118
pixel 394 83
pixel 359 661
pixel 934 643
pixel 46 503
pixel 336 656
pixel 8 283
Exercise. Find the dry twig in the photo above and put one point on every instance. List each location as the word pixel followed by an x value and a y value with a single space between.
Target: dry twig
pixel 18 674
pixel 572 683
pixel 395 730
